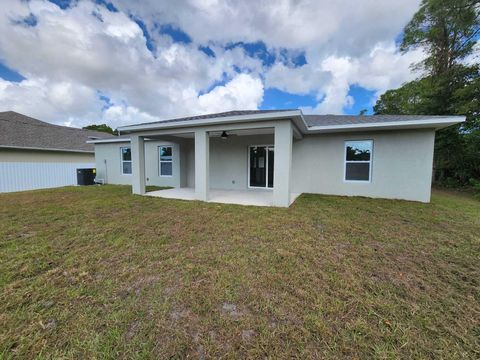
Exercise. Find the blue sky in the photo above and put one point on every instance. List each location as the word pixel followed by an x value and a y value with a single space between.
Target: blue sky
pixel 117 62
pixel 10 75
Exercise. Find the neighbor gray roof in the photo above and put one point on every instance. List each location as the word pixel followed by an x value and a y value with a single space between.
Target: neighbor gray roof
pixel 20 131
pixel 327 120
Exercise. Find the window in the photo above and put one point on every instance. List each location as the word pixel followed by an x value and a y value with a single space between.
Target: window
pixel 358 160
pixel 166 160
pixel 126 156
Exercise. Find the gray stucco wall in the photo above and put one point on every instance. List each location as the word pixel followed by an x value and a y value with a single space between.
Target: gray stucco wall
pixel 111 170
pixel 107 162
pixel 188 169
pixel 229 160
pixel 401 167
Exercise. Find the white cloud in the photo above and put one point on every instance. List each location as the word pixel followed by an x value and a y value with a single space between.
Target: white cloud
pixel 69 103
pixel 244 92
pixel 381 69
pixel 300 80
pixel 346 42
pixel 72 55
pixel 123 115
pixel 74 49
pixel 344 27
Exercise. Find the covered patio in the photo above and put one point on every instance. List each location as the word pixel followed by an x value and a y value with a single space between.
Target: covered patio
pixel 240 197
pixel 250 166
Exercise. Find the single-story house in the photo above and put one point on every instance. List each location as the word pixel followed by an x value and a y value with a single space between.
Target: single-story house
pixel 36 155
pixel 268 157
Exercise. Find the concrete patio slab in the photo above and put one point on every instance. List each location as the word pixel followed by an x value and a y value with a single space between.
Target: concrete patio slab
pixel 240 197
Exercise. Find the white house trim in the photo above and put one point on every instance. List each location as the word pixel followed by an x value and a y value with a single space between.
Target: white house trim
pixel 300 124
pixel 410 124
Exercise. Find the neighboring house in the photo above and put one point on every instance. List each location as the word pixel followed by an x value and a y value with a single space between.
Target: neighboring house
pixel 35 154
pixel 270 157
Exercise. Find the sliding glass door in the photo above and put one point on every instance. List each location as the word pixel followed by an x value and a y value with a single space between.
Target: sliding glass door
pixel 261 160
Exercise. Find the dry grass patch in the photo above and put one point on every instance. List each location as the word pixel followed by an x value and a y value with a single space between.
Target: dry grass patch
pixel 95 272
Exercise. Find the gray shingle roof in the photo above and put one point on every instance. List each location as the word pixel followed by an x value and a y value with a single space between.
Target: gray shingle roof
pixel 311 120
pixel 216 115
pixel 326 120
pixel 17 130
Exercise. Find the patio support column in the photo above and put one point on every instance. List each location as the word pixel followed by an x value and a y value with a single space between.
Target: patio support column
pixel 283 163
pixel 138 164
pixel 202 165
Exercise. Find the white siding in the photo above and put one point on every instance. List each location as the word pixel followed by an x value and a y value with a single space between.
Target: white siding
pixel 20 176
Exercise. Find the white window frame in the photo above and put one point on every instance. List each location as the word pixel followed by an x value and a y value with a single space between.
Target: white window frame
pixel 125 161
pixel 370 162
pixel 160 161
pixel 266 167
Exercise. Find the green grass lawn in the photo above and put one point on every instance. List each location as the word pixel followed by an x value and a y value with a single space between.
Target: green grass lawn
pixel 95 272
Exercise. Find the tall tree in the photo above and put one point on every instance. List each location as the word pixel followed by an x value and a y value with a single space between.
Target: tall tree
pixel 447 30
pixel 101 127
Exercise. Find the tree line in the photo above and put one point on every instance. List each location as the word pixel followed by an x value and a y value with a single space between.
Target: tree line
pixel 448 84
